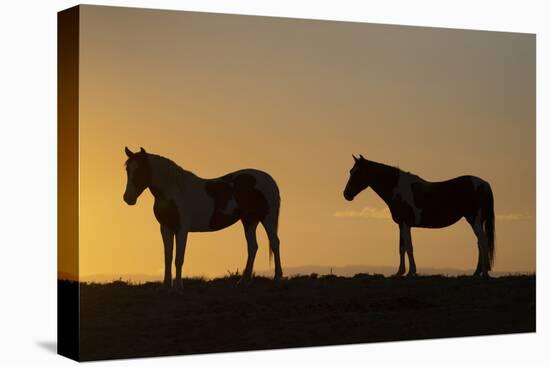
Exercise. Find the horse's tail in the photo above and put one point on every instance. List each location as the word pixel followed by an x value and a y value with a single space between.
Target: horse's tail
pixel 270 256
pixel 490 224
pixel 274 225
pixel 270 222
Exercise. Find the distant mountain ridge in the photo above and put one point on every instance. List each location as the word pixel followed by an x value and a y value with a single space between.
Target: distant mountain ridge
pixel 346 271
pixel 351 270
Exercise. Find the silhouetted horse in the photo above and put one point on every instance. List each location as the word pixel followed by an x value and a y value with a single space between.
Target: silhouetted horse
pixel 414 202
pixel 186 203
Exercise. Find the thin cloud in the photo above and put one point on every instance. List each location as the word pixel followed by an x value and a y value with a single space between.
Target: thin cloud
pixel 513 216
pixel 367 212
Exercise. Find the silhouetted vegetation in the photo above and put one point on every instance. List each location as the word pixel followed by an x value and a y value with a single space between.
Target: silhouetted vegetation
pixel 121 320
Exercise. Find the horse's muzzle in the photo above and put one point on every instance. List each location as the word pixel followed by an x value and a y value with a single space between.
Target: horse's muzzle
pixel 129 201
pixel 348 196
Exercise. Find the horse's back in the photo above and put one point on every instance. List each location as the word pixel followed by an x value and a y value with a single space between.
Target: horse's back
pixel 254 178
pixel 444 202
pixel 464 183
pixel 262 177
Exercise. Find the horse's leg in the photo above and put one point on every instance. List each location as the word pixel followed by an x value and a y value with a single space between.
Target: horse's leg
pixel 168 240
pixel 471 220
pixel 270 224
pixel 181 241
pixel 402 249
pixel 479 255
pixel 483 261
pixel 409 250
pixel 252 246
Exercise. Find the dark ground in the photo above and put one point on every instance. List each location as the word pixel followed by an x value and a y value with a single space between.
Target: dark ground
pixel 119 320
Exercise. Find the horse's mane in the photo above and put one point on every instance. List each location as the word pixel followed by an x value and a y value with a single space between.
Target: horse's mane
pixel 411 174
pixel 169 164
pixel 414 175
pixel 396 168
pixel 382 165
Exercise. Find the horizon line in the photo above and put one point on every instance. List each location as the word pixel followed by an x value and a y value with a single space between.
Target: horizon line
pixel 291 271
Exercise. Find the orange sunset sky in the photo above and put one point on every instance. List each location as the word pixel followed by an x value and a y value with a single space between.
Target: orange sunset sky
pixel 296 98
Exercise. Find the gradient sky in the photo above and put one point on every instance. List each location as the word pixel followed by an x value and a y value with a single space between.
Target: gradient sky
pixel 296 98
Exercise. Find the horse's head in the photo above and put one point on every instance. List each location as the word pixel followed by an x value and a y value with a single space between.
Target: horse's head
pixel 138 173
pixel 358 180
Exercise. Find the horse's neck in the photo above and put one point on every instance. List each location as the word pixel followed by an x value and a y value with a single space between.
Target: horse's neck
pixel 168 179
pixel 383 179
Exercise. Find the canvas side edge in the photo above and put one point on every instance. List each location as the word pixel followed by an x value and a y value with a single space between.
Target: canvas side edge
pixel 68 333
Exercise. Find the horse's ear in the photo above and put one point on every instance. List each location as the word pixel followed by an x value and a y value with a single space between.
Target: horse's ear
pixel 361 156
pixel 142 150
pixel 355 158
pixel 128 152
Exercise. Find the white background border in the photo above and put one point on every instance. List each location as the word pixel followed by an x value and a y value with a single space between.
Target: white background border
pixel 28 182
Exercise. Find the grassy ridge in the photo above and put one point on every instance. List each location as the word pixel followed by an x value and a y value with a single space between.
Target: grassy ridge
pixel 121 320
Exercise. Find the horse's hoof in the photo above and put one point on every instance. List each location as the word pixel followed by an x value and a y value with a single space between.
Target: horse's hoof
pixel 411 274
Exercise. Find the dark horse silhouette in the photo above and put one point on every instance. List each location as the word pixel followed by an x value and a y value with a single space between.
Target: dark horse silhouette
pixel 187 203
pixel 414 202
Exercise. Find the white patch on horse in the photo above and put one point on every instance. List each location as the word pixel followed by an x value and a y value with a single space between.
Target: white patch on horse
pixel 404 190
pixel 230 206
